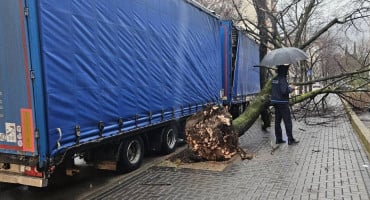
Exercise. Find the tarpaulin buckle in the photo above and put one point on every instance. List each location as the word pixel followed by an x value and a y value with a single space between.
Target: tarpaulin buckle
pixel 120 125
pixel 150 117
pixel 77 133
pixel 101 128
pixel 162 115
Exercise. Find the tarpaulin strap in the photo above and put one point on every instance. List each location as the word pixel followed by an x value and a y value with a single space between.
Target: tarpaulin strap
pixel 60 137
pixel 150 117
pixel 101 128
pixel 77 133
pixel 120 124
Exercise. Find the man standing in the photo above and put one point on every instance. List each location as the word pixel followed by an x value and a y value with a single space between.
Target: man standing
pixel 280 100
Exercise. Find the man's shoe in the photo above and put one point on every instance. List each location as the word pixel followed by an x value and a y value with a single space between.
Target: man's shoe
pixel 292 141
pixel 280 141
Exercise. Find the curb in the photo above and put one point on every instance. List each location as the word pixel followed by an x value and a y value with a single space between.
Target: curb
pixel 362 131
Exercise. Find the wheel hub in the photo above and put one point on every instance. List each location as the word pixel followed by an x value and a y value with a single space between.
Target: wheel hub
pixel 133 151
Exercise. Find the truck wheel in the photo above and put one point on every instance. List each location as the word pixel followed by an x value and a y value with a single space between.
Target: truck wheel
pixel 169 139
pixel 131 153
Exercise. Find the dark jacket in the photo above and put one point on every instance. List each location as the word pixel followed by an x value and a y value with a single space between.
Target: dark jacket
pixel 280 90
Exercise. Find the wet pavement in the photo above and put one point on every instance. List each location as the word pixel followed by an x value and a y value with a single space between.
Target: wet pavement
pixel 364 116
pixel 62 187
pixel 328 163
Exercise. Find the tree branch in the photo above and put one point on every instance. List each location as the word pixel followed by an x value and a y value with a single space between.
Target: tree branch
pixel 333 77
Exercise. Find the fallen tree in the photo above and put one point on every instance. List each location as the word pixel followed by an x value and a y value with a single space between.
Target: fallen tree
pixel 212 134
pixel 251 114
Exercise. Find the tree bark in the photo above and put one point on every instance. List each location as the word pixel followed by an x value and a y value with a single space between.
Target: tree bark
pixel 261 8
pixel 250 115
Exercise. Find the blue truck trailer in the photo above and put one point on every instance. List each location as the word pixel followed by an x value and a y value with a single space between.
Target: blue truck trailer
pixel 241 79
pixel 106 80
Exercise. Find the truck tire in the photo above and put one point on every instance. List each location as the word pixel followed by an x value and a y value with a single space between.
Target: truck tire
pixel 130 154
pixel 169 139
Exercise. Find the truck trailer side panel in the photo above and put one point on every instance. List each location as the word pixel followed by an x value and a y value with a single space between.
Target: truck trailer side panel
pixel 246 76
pixel 144 62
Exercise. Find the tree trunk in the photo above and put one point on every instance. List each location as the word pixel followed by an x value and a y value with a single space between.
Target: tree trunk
pixel 250 115
pixel 261 8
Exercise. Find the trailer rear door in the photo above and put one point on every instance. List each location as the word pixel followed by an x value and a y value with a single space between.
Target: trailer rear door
pixel 16 99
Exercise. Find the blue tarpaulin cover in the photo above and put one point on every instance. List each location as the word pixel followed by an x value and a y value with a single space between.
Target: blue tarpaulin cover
pixel 105 60
pixel 247 78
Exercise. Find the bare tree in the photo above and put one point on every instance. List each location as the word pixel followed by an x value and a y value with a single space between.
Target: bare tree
pixel 299 23
pixel 224 8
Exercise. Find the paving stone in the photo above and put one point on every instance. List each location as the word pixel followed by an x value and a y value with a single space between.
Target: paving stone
pixel 326 164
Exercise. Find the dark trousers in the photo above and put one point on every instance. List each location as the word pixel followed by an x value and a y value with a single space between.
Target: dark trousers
pixel 282 112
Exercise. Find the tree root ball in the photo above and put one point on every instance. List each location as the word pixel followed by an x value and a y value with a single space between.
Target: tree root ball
pixel 210 134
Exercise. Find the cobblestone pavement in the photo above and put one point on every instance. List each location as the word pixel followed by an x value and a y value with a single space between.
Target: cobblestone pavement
pixel 328 163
